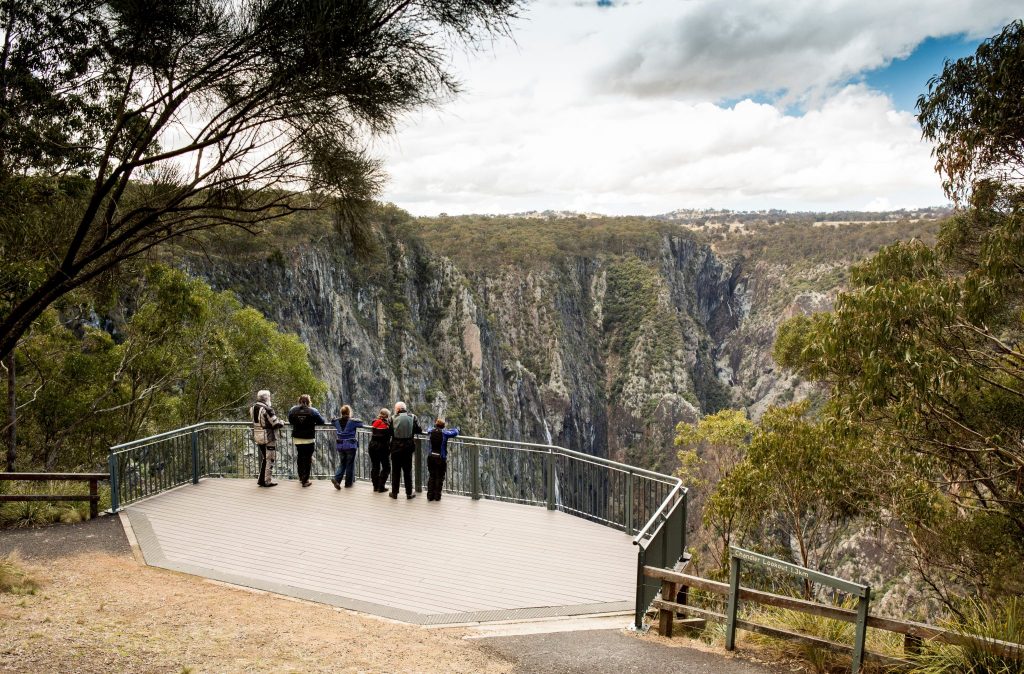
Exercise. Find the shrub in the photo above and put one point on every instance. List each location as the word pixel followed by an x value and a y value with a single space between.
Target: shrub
pixel 995 622
pixel 14 579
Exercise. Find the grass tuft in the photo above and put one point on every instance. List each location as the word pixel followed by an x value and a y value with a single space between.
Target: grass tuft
pixel 1002 621
pixel 14 579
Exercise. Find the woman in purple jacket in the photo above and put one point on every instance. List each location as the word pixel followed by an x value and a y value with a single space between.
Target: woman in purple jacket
pixel 345 428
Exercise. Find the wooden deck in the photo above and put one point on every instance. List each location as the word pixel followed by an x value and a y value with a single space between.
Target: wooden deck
pixel 453 561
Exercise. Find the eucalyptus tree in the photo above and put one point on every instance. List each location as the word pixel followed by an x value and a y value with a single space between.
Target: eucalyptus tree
pixel 127 123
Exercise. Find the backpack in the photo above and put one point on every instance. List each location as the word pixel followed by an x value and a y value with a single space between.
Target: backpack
pixel 404 425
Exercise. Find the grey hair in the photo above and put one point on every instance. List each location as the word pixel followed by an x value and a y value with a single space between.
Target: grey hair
pixel 263 396
pixel 400 406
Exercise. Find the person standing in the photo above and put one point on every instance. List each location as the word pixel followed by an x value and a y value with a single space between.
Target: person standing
pixel 304 419
pixel 264 432
pixel 380 449
pixel 345 428
pixel 403 444
pixel 437 460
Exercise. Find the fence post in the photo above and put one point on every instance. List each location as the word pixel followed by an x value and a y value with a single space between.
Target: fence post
pixel 474 467
pixel 641 608
pixel 629 503
pixel 861 633
pixel 551 479
pixel 734 598
pixel 114 495
pixel 417 467
pixel 94 499
pixel 195 457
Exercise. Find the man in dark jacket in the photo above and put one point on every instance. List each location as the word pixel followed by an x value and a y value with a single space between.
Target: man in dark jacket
pixel 304 420
pixel 403 444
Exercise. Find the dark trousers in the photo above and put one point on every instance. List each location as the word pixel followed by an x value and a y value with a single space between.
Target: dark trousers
pixel 346 466
pixel 437 467
pixel 380 467
pixel 304 457
pixel 401 462
pixel 267 457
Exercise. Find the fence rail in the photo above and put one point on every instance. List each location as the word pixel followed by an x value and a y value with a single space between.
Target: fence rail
pixel 93 497
pixel 675 584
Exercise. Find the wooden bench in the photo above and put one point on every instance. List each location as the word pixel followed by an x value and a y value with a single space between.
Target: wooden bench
pixel 93 496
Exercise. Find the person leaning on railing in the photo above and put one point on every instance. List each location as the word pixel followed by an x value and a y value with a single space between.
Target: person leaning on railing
pixel 437 460
pixel 406 427
pixel 345 428
pixel 380 450
pixel 304 419
pixel 264 433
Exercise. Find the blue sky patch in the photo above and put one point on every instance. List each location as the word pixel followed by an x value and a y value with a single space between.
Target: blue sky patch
pixel 906 79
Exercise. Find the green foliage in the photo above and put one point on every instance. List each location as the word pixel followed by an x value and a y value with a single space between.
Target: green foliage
pixel 631 299
pixel 1002 621
pixel 182 354
pixel 974 113
pixel 482 242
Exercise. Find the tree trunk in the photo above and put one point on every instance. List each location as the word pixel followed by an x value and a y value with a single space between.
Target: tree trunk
pixel 12 413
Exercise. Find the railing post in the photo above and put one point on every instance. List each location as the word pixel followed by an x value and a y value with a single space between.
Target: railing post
pixel 474 467
pixel 629 503
pixel 665 616
pixel 734 598
pixel 551 479
pixel 860 636
pixel 417 467
pixel 94 499
pixel 195 457
pixel 114 486
pixel 641 605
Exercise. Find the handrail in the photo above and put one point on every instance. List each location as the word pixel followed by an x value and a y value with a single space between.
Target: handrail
pixel 638 539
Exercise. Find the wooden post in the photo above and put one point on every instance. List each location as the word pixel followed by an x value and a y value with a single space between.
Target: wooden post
pixel 911 644
pixel 734 598
pixel 665 616
pixel 94 499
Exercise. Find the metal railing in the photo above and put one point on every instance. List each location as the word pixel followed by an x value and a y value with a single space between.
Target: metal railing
pixel 647 505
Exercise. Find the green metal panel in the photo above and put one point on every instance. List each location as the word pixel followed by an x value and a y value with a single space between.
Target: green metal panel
pixel 114 483
pixel 734 600
pixel 474 467
pixel 641 582
pixel 195 457
pixel 855 589
pixel 861 632
pixel 551 480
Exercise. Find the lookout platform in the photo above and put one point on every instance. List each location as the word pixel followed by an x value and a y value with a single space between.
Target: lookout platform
pixel 459 560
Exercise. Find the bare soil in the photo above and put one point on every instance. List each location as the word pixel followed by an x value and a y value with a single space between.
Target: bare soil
pixel 105 613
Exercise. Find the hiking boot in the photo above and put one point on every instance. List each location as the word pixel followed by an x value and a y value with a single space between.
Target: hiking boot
pixel 393 495
pixel 410 496
pixel 337 485
pixel 269 484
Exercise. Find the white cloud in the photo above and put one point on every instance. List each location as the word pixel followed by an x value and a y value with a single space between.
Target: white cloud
pixel 565 117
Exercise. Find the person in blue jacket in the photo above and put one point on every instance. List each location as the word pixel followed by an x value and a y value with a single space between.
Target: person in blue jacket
pixel 437 460
pixel 345 427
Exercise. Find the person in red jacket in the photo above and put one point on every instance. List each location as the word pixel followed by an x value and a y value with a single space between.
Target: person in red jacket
pixel 380 450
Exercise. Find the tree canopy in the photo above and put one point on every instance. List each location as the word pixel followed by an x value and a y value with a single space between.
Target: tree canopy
pixel 147 120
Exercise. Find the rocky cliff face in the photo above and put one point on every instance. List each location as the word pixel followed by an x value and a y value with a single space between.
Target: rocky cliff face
pixel 603 354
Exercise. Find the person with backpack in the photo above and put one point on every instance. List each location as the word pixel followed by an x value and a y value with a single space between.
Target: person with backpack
pixel 345 430
pixel 403 444
pixel 437 460
pixel 304 419
pixel 380 449
pixel 264 433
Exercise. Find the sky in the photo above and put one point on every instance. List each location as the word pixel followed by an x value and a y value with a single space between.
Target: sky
pixel 648 106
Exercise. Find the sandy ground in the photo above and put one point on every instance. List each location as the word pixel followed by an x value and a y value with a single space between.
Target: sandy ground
pixel 104 613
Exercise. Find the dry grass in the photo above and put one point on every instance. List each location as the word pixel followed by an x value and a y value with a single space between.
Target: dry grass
pixel 100 613
pixel 14 579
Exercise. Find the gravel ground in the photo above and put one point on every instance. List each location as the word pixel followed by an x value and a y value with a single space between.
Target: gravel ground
pixel 103 534
pixel 613 652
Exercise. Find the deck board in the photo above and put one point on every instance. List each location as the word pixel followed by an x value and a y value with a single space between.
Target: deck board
pixel 458 560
